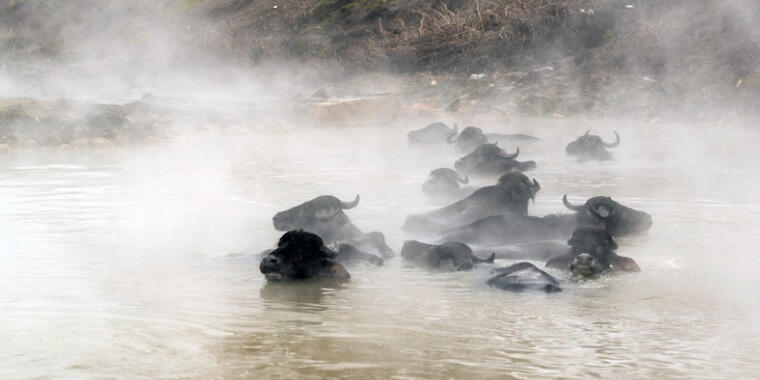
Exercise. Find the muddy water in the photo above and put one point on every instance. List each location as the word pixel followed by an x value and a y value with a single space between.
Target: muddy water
pixel 138 263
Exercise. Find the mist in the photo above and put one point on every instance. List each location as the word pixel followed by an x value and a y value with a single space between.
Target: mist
pixel 146 145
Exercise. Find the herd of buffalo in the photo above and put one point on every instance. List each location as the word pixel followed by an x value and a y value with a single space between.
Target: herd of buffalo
pixel 479 226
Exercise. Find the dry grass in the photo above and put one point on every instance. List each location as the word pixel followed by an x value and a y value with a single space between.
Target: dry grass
pixel 441 38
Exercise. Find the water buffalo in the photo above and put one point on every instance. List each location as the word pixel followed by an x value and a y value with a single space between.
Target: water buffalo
pixel 618 219
pixel 524 276
pixel 510 195
pixel 324 216
pixel 469 139
pixel 591 147
pixel 436 133
pixel 592 252
pixel 444 182
pixel 490 159
pixel 300 255
pixel 450 256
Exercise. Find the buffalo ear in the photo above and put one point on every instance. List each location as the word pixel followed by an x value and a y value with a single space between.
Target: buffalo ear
pixel 602 219
pixel 611 241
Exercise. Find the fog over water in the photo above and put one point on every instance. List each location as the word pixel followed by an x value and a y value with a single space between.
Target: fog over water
pixel 140 260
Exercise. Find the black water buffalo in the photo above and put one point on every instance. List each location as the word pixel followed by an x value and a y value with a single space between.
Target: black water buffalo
pixel 444 182
pixel 510 195
pixel 436 133
pixel 592 252
pixel 490 159
pixel 447 256
pixel 469 139
pixel 324 216
pixel 618 219
pixel 300 255
pixel 591 147
pixel 524 276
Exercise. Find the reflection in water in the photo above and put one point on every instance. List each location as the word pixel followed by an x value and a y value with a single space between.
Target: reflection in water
pixel 122 263
pixel 306 295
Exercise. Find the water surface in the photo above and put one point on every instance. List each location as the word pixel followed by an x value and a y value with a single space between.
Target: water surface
pixel 138 262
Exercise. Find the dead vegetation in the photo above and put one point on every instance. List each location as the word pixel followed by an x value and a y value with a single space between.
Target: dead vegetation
pixel 570 56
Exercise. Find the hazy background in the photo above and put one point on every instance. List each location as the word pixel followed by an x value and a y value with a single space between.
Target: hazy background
pixel 147 144
pixel 573 57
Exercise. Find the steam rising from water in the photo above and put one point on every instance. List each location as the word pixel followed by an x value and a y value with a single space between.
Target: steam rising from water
pixel 138 262
pixel 145 254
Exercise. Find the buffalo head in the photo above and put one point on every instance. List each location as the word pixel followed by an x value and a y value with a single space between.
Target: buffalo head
pixel 616 218
pixel 468 139
pixel 591 253
pixel 518 187
pixel 300 255
pixel 443 181
pixel 322 215
pixel 592 248
pixel 591 147
pixel 489 158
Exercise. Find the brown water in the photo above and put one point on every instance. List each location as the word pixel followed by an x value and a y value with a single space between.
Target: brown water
pixel 138 263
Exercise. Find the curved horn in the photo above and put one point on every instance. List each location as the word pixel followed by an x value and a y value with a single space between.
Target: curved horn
pixel 513 155
pixel 463 180
pixel 451 139
pixel 455 128
pixel 570 205
pixel 586 134
pixel 613 144
pixel 350 205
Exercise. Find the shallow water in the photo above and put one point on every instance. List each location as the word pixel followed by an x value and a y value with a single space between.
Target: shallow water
pixel 139 263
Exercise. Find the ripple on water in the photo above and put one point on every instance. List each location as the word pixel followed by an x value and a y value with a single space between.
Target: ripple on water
pixel 120 265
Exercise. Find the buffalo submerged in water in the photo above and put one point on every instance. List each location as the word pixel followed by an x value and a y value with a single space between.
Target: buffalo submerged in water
pixel 301 255
pixel 510 195
pixel 436 133
pixel 444 182
pixel 618 219
pixel 472 137
pixel 490 159
pixel 522 277
pixel 591 147
pixel 324 216
pixel 469 139
pixel 454 256
pixel 591 253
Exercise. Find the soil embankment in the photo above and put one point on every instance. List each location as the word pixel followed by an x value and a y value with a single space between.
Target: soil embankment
pixel 537 57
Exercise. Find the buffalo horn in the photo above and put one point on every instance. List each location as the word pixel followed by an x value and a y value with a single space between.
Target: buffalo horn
pixel 513 155
pixel 613 144
pixel 350 205
pixel 570 205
